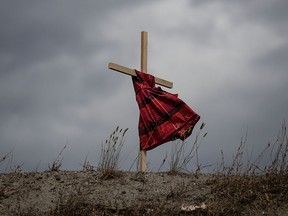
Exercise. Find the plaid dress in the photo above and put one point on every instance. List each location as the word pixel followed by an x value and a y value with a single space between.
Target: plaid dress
pixel 163 116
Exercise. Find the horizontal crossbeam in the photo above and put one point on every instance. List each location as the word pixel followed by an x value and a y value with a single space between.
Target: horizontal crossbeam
pixel 132 72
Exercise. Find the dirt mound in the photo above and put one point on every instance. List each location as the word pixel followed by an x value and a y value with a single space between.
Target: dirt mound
pixel 133 193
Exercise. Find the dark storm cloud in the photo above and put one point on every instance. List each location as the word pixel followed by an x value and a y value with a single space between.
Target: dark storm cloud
pixel 270 67
pixel 270 11
pixel 266 11
pixel 37 31
pixel 274 61
pixel 33 30
pixel 271 73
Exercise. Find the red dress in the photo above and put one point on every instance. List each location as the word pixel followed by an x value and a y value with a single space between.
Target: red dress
pixel 163 116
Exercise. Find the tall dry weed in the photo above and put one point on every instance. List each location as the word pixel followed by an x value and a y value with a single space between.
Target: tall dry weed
pixel 57 163
pixel 110 152
pixel 183 153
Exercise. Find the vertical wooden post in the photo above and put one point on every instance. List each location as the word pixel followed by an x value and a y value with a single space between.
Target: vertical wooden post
pixel 143 66
pixel 144 51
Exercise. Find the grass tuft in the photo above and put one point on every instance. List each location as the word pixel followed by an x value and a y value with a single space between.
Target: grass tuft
pixel 57 163
pixel 110 152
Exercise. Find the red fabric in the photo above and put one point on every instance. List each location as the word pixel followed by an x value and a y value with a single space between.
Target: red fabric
pixel 163 116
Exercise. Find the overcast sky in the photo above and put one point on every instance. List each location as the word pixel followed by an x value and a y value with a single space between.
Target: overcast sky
pixel 227 59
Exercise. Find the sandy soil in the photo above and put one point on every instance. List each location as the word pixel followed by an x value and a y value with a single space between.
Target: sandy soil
pixel 20 192
pixel 131 193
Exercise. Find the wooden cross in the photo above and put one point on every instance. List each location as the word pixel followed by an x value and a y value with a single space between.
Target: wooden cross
pixel 131 72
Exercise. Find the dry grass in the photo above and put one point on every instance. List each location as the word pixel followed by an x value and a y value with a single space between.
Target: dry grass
pixel 110 153
pixel 183 153
pixel 57 163
pixel 248 195
pixel 73 204
pixel 249 189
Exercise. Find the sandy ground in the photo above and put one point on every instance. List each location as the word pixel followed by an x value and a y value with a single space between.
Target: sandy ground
pixel 131 193
pixel 20 192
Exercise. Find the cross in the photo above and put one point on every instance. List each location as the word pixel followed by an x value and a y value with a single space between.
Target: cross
pixel 131 72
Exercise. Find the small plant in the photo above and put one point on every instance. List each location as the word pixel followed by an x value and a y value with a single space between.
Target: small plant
pixel 5 157
pixel 181 155
pixel 110 152
pixel 9 157
pixel 57 163
pixel 279 153
pixel 86 166
pixel 237 165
